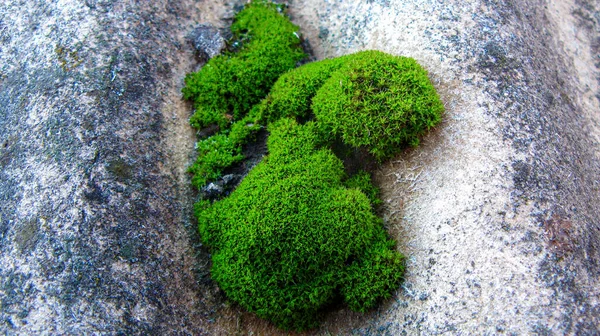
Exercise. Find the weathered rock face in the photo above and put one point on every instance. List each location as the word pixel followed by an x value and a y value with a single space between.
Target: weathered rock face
pixel 498 209
pixel 93 150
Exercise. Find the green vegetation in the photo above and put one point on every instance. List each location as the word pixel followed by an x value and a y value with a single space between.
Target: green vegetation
pixel 362 181
pixel 368 99
pixel 292 94
pixel 221 151
pixel 227 87
pixel 298 234
pixel 292 238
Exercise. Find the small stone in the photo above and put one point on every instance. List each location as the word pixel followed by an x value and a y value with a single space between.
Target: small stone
pixel 212 190
pixel 228 179
pixel 207 40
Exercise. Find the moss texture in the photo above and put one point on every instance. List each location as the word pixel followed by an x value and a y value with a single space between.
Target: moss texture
pixel 368 99
pixel 292 238
pixel 299 234
pixel 266 45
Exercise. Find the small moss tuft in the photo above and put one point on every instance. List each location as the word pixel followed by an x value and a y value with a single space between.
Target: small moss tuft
pixel 225 89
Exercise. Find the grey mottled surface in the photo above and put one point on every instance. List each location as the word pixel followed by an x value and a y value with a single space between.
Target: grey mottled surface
pixel 94 204
pixel 497 210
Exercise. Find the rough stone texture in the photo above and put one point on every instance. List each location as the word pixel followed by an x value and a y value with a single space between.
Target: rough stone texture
pixel 93 150
pixel 498 209
pixel 207 40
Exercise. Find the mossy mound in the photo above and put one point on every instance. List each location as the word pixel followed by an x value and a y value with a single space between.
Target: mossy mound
pixel 369 99
pixel 292 238
pixel 298 234
pixel 292 94
pixel 266 45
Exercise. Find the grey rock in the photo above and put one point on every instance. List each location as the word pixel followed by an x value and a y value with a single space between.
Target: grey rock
pixel 96 232
pixel 212 190
pixel 229 179
pixel 208 41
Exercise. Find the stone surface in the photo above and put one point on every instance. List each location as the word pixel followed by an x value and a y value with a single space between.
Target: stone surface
pixel 497 209
pixel 95 217
pixel 208 41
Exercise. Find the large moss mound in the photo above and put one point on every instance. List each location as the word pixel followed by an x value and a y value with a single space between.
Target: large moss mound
pixel 292 238
pixel 300 233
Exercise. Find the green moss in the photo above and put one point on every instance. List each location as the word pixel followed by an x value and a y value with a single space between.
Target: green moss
pixel 227 87
pixel 378 101
pixel 362 181
pixel 291 237
pixel 298 234
pixel 292 94
pixel 221 151
pixel 369 100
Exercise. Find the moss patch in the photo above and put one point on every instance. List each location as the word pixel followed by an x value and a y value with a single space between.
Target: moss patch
pixel 265 44
pixel 292 238
pixel 300 233
pixel 369 99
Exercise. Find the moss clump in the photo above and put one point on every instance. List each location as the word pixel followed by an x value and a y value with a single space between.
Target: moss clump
pixel 292 94
pixel 227 87
pixel 369 99
pixel 378 101
pixel 292 238
pixel 298 234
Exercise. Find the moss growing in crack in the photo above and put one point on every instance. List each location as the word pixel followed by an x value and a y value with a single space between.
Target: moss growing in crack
pixel 227 87
pixel 222 150
pixel 298 234
pixel 292 94
pixel 292 239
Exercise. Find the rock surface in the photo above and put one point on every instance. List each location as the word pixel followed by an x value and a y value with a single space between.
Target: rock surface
pixel 497 209
pixel 208 40
pixel 95 215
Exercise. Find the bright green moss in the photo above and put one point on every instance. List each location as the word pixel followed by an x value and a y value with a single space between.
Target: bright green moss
pixel 298 234
pixel 378 101
pixel 221 151
pixel 292 238
pixel 369 99
pixel 362 181
pixel 293 92
pixel 229 85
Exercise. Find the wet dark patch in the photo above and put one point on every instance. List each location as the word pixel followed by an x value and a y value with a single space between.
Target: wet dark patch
pixel 27 235
pixel 120 169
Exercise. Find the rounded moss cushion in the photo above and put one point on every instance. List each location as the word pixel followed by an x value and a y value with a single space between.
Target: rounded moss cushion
pixel 378 101
pixel 292 239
